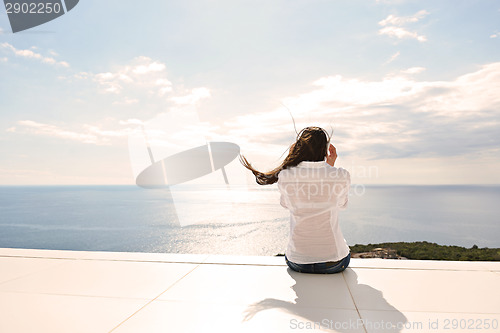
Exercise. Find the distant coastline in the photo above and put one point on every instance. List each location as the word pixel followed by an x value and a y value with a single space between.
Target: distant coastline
pixel 423 251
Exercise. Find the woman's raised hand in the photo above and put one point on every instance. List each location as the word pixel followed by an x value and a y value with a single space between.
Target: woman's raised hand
pixel 332 155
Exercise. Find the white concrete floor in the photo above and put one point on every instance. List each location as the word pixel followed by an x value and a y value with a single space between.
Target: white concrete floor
pixel 71 291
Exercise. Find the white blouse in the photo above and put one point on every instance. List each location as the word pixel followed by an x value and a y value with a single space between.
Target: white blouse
pixel 314 192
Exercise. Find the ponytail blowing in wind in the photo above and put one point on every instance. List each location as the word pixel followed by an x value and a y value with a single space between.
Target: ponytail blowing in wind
pixel 311 145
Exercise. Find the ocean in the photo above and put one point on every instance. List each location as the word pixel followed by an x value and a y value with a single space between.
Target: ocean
pixel 237 221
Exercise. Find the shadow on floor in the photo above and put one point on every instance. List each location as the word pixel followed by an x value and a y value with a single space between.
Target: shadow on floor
pixel 316 302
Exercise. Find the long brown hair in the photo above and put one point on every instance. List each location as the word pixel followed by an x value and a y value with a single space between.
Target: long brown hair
pixel 311 145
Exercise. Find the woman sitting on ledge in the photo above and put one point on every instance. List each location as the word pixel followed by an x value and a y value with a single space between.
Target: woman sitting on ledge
pixel 314 191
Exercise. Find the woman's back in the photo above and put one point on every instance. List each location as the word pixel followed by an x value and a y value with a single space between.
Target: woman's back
pixel 314 192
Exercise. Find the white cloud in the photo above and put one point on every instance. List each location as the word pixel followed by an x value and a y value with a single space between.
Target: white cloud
pixel 49 60
pixel 81 75
pixel 413 70
pixel 396 20
pixel 143 80
pixel 193 97
pixel 140 78
pixel 401 33
pixel 22 173
pixel 126 101
pixel 131 121
pixel 165 86
pixel 93 134
pixel 32 127
pixel 111 82
pixel 4 59
pixel 24 53
pixel 495 35
pixel 393 57
pixel 151 67
pixel 29 54
pixel 393 26
pixel 396 117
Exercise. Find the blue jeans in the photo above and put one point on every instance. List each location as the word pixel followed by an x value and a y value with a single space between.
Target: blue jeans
pixel 328 267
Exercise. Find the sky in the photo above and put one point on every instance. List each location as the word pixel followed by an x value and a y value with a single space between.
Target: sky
pixel 410 89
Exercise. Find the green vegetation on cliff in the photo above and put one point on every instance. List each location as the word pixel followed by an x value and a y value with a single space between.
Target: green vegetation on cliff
pixel 432 251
